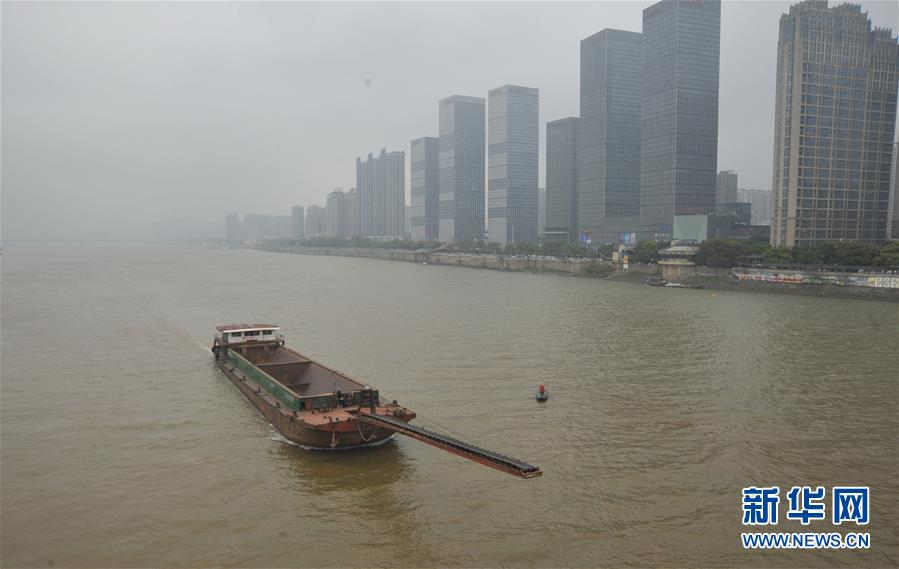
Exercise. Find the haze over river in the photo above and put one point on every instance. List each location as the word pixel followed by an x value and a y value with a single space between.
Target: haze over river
pixel 124 446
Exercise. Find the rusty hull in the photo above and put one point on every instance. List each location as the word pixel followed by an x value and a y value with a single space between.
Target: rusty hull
pixel 335 428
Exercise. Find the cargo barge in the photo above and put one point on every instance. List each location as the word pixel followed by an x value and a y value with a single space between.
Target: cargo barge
pixel 317 407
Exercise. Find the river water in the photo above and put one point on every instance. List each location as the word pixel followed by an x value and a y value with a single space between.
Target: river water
pixel 123 445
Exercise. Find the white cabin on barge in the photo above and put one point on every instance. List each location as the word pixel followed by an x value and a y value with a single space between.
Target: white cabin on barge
pixel 241 333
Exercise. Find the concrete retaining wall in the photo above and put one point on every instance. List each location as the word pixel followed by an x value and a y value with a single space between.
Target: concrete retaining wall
pixel 495 262
pixel 711 277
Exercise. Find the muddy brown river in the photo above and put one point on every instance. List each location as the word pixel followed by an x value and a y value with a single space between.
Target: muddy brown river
pixel 124 446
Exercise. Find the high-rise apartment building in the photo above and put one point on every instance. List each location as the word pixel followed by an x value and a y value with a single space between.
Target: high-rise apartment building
pixel 679 128
pixel 281 227
pixel 340 210
pixel 761 202
pixel 348 213
pixel 609 163
pixel 257 226
pixel 893 233
pixel 726 191
pixel 541 213
pixel 461 154
pixel 381 195
pixel 297 222
pixel 395 193
pixel 512 162
pixel 232 227
pixel 562 144
pixel 425 173
pixel 835 119
pixel 315 222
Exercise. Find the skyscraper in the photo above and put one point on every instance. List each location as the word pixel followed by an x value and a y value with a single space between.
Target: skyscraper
pixel 425 173
pixel 315 221
pixel 835 118
pixel 394 193
pixel 893 233
pixel 541 213
pixel 339 214
pixel 726 189
pixel 281 227
pixel 562 144
pixel 297 222
pixel 461 208
pixel 679 151
pixel 761 204
pixel 348 213
pixel 512 160
pixel 381 194
pixel 609 164
pixel 257 226
pixel 232 227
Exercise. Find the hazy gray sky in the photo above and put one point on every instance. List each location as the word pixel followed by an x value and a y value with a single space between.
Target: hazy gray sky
pixel 118 115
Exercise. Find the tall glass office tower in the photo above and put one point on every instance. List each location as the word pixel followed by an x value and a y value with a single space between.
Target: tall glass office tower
pixel 562 143
pixel 609 165
pixel 679 133
pixel 512 159
pixel 425 162
pixel 461 208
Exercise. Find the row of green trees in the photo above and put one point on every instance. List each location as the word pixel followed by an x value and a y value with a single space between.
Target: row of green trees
pixel 712 253
pixel 730 252
pixel 361 242
pixel 550 249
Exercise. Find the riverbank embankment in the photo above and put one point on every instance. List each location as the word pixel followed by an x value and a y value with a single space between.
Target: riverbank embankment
pixel 864 286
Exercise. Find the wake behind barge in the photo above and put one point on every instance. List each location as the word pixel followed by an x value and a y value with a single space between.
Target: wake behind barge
pixel 318 407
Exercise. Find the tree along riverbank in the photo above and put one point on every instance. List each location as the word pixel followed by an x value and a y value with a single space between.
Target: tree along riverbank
pixel 884 287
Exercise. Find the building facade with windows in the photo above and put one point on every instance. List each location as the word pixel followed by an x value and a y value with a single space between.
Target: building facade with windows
pixel 726 191
pixel 297 222
pixel 760 200
pixel 679 128
pixel 425 173
pixel 835 120
pixel 380 199
pixel 512 163
pixel 893 233
pixel 461 178
pixel 232 227
pixel 314 225
pixel 340 218
pixel 562 148
pixel 609 125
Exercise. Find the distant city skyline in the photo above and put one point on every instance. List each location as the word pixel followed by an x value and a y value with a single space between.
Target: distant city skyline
pixel 257 132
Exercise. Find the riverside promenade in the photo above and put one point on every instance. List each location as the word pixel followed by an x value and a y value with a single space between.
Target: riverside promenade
pixel 862 286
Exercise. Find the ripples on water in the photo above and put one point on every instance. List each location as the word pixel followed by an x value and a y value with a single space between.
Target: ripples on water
pixel 122 445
